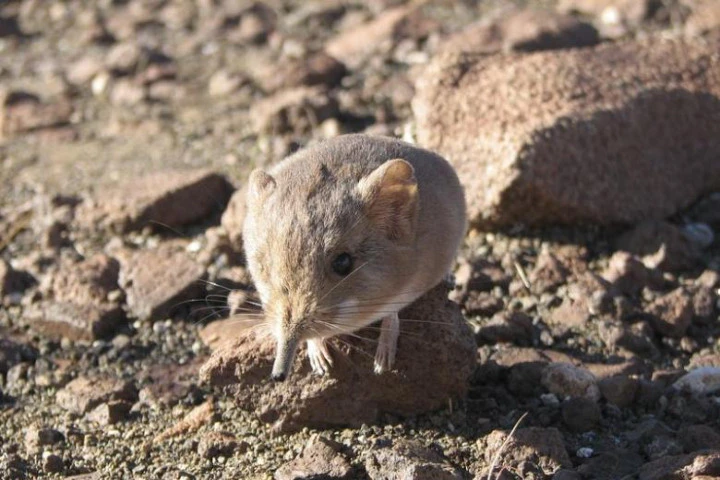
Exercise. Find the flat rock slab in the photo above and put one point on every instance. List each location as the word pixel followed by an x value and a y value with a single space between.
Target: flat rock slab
pixel 166 199
pixel 542 447
pixel 409 459
pixel 155 281
pixel 76 300
pixel 75 321
pixel 85 393
pixel 435 358
pixel 577 136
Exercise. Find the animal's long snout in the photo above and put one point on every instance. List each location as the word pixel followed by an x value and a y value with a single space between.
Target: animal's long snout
pixel 284 355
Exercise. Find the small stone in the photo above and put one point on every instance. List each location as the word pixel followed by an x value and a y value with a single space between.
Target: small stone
pixel 636 338
pixel 85 393
pixel 482 303
pixel 11 280
pixel 127 93
pixel 217 444
pixel 123 58
pixel 84 70
pixel 522 29
pixel 408 459
pixel 352 47
pixel 567 380
pixel 627 273
pixel 543 447
pixel 37 437
pixel 53 463
pixel 224 82
pixel 610 465
pixel 704 300
pixel 699 437
pixel 699 234
pixel 700 381
pixel 661 245
pixel 21 112
pixel 197 417
pixel 548 274
pixel 672 313
pixel 512 327
pixel 157 280
pixel 295 110
pixel 317 69
pixel 619 390
pixel 110 413
pixel 75 321
pixel 581 414
pixel 320 459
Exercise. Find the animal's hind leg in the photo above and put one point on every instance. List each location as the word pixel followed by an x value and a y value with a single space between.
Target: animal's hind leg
pixel 387 343
pixel 319 355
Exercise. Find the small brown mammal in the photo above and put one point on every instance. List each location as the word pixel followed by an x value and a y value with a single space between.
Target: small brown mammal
pixel 345 233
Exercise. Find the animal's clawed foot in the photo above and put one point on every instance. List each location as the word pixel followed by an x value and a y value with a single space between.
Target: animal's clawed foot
pixel 319 355
pixel 387 343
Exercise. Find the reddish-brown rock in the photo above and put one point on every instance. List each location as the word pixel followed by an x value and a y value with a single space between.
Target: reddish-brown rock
pixel 85 393
pixel 352 46
pixel 157 280
pixel 295 110
pixel 215 444
pixel 526 29
pixel 75 321
pixel 11 280
pixel 578 135
pixel 22 112
pixel 543 447
pixel 436 355
pixel 317 69
pixel 411 460
pixel 704 16
pixel 320 459
pixel 661 245
pixel 568 380
pixel 162 200
pixel 672 313
pixel 680 467
pixel 626 273
pixel 76 300
pixel 548 273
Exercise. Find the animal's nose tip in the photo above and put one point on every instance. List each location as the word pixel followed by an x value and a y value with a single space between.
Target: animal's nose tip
pixel 278 377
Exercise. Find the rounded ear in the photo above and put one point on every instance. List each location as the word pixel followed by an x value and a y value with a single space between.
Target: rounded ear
pixel 390 194
pixel 260 184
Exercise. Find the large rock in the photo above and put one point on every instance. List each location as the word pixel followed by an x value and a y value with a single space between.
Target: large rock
pixel 436 355
pixel 586 135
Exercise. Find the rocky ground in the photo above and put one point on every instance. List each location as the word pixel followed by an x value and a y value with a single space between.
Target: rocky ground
pixel 127 130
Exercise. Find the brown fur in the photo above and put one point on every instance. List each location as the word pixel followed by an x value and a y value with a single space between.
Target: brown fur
pixel 402 221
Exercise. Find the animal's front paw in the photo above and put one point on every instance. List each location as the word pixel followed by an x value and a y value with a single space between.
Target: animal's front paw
pixel 319 355
pixel 387 344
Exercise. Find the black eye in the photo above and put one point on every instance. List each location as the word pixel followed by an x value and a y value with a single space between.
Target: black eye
pixel 342 264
